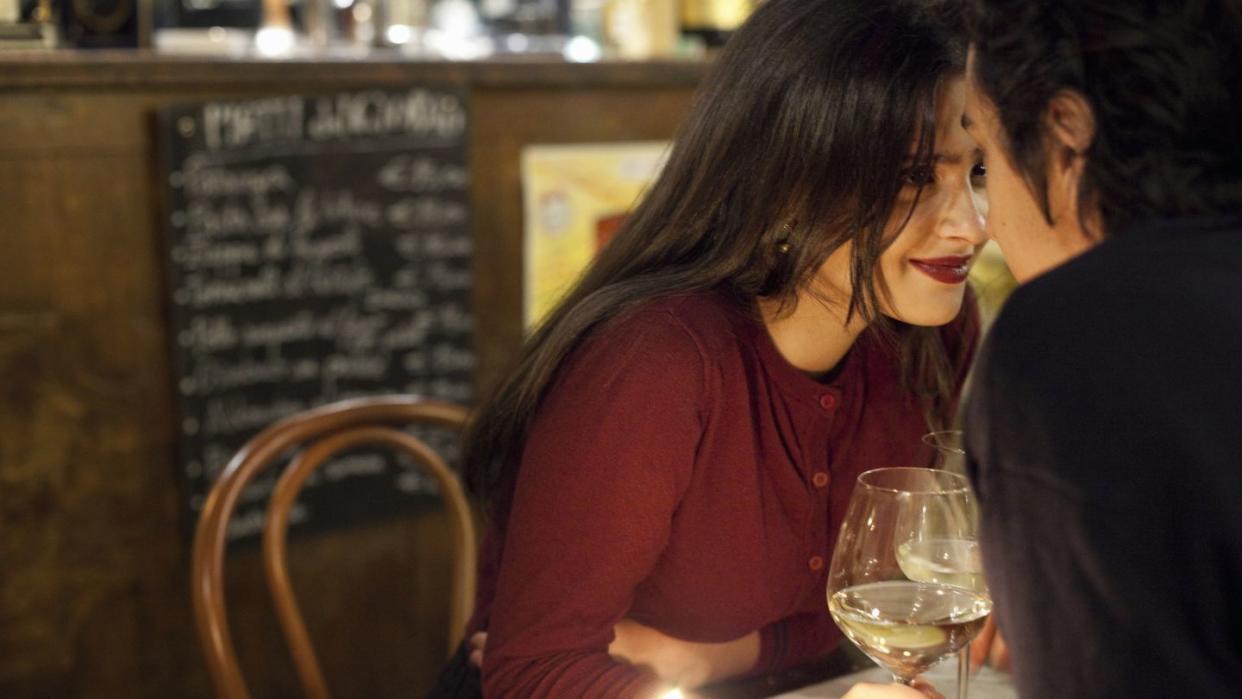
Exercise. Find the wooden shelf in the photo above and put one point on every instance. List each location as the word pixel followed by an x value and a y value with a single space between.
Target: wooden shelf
pixel 146 69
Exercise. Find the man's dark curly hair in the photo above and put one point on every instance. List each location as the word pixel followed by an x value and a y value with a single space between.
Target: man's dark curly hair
pixel 1163 79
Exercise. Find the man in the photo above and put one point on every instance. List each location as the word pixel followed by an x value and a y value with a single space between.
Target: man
pixel 1104 429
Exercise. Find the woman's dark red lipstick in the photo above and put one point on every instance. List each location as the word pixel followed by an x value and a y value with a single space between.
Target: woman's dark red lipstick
pixel 946 270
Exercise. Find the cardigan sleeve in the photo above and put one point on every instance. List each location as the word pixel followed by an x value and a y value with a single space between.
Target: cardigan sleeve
pixel 794 640
pixel 607 460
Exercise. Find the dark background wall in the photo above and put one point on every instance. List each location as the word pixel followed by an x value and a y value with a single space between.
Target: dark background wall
pixel 94 541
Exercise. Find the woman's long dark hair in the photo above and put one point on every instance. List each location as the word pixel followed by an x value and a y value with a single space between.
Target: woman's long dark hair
pixel 794 147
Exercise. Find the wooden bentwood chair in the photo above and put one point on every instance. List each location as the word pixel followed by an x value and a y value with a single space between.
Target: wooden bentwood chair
pixel 322 432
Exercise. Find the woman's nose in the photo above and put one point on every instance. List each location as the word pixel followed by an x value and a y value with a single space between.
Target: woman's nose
pixel 964 218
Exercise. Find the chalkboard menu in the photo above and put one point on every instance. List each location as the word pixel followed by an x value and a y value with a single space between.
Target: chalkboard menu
pixel 319 249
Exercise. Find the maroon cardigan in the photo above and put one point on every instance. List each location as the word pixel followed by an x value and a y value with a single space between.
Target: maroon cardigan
pixel 681 473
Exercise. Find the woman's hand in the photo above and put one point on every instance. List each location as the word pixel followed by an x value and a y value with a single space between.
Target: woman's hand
pixel 683 663
pixel 477 643
pixel 680 663
pixel 989 647
pixel 922 689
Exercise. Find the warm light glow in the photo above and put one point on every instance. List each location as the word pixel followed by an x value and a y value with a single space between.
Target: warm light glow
pixel 274 41
pixel 581 49
pixel 399 34
pixel 517 43
pixel 672 694
pixel 343 4
pixel 455 17
pixel 458 48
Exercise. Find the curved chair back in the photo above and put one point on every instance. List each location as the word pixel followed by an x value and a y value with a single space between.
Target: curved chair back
pixel 322 433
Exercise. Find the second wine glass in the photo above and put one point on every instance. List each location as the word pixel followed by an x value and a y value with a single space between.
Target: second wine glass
pixel 949 453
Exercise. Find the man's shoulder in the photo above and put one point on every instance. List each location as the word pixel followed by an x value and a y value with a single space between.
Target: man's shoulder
pixel 1144 285
pixel 1128 344
pixel 1063 295
pixel 1047 318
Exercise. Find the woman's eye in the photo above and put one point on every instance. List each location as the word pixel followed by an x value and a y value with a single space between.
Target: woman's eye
pixel 918 176
pixel 979 173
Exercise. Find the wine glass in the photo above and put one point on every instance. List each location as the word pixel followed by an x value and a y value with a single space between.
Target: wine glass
pixel 950 452
pixel 950 455
pixel 904 585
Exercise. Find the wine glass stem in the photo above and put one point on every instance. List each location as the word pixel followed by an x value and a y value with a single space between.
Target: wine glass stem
pixel 963 671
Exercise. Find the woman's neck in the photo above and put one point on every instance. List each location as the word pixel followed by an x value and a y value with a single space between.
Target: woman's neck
pixel 811 335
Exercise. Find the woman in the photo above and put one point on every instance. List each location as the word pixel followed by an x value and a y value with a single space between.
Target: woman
pixel 668 465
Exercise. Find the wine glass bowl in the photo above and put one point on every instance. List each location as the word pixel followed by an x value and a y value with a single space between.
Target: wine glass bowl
pixel 905 584
pixel 908 626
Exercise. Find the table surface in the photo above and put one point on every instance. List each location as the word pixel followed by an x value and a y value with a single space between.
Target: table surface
pixel 987 684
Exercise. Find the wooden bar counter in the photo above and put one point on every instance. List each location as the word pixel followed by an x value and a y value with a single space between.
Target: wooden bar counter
pixel 94 534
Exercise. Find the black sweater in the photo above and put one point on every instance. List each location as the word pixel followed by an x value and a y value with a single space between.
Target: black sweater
pixel 1104 433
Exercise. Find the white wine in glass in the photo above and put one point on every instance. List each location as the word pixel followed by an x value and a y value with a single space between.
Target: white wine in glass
pixel 895 587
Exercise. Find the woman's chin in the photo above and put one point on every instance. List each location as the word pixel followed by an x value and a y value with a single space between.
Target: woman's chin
pixel 928 317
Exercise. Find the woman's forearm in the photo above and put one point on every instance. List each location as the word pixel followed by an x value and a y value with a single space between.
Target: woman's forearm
pixel 683 664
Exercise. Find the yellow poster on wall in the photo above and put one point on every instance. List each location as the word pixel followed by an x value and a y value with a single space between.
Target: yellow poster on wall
pixel 575 197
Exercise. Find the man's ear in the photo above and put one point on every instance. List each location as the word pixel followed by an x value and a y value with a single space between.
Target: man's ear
pixel 1070 122
pixel 1069 129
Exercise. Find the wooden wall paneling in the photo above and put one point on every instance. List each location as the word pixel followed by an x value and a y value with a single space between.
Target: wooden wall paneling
pixel 91 507
pixel 94 598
